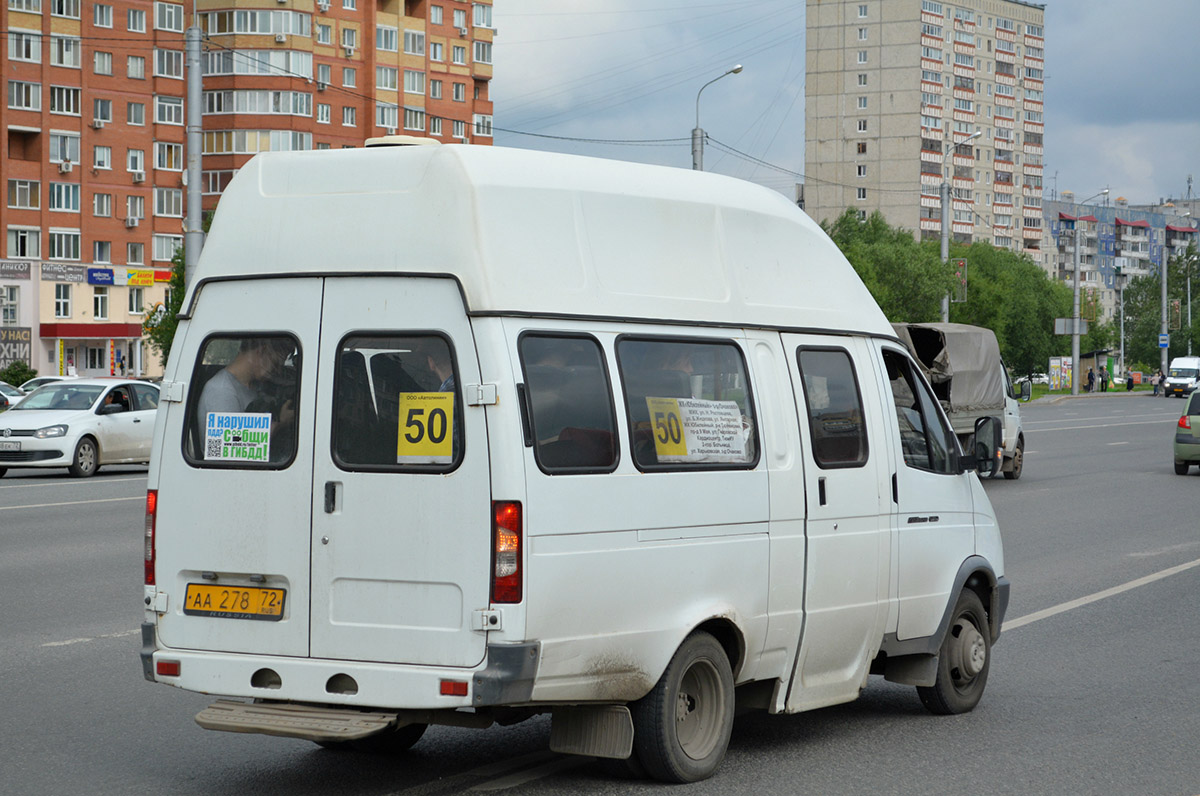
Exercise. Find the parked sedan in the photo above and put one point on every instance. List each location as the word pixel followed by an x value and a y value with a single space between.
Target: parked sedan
pixel 80 424
pixel 10 396
pixel 38 381
pixel 1187 435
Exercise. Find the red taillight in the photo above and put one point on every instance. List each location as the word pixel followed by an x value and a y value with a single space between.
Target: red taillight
pixel 151 517
pixel 454 688
pixel 1185 422
pixel 506 551
pixel 168 668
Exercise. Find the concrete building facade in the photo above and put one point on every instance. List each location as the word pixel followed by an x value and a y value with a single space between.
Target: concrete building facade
pixel 894 90
pixel 94 156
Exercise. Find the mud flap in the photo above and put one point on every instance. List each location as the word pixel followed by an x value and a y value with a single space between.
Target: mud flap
pixel 597 731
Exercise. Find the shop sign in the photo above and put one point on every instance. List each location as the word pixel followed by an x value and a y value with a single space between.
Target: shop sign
pixel 15 345
pixel 57 272
pixel 11 270
pixel 100 276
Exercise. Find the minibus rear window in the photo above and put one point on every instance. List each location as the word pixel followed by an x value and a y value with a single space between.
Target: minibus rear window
pixel 835 412
pixel 574 425
pixel 689 404
pixel 396 404
pixel 243 402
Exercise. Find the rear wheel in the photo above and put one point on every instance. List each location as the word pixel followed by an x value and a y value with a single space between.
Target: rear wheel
pixel 3 470
pixel 963 661
pixel 682 727
pixel 87 459
pixel 1181 468
pixel 389 741
pixel 1018 461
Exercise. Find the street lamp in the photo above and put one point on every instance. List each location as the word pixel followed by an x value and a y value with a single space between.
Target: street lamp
pixel 1188 263
pixel 946 214
pixel 697 133
pixel 1075 306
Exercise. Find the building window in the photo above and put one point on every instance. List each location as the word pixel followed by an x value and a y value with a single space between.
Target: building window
pixel 24 242
pixel 165 246
pixel 483 52
pixel 11 295
pixel 62 301
pixel 860 193
pixel 414 82
pixel 102 15
pixel 135 67
pixel 460 18
pixel 386 77
pixel 102 251
pixel 862 125
pixel 168 63
pixel 861 170
pixel 64 197
pixel 862 12
pixel 99 306
pixel 64 8
pixel 862 56
pixel 458 54
pixel 323 113
pixel 435 125
pixel 102 205
pixel 64 148
pixel 137 300
pixel 32 6
pixel 349 5
pixel 64 100
pixel 459 129
pixel 168 156
pixel 436 51
pixel 24 96
pixel 168 110
pixel 483 16
pixel 483 124
pixel 102 110
pixel 135 160
pixel 386 38
pixel 862 34
pixel 135 253
pixel 349 76
pixel 414 119
pixel 414 42
pixel 861 147
pixel 135 207
pixel 24 47
pixel 862 79
pixel 435 89
pixel 460 92
pixel 65 52
pixel 349 115
pixel 387 115
pixel 102 157
pixel 135 113
pixel 168 16
pixel 168 202
pixel 64 244
pixel 862 103
pixel 135 21
pixel 24 194
pixel 103 63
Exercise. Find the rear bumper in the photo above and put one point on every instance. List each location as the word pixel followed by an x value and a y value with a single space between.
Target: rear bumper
pixel 1187 448
pixel 505 677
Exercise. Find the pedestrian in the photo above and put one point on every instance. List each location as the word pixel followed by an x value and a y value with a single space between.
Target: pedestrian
pixel 1128 382
pixel 1155 382
pixel 1091 382
pixel 1103 378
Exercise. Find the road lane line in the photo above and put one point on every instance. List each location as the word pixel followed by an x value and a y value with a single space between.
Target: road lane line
pixel 531 774
pixel 1126 442
pixel 1160 422
pixel 70 641
pixel 58 484
pixel 72 503
pixel 1100 595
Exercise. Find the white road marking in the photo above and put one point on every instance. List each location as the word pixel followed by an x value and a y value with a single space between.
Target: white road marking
pixel 59 484
pixel 1100 595
pixel 1160 422
pixel 1126 442
pixel 72 503
pixel 70 641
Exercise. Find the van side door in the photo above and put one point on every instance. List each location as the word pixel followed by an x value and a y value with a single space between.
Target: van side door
pixel 848 526
pixel 933 504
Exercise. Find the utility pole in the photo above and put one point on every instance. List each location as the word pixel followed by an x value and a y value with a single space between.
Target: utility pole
pixel 946 210
pixel 697 131
pixel 193 230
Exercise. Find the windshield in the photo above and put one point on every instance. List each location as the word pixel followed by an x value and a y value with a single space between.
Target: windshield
pixel 61 396
pixel 7 390
pixel 1183 373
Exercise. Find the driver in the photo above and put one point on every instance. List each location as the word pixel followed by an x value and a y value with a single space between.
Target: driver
pixel 239 384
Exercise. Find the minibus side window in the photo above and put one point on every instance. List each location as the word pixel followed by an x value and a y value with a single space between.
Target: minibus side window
pixel 835 412
pixel 926 441
pixel 689 404
pixel 570 404
pixel 396 404
pixel 243 402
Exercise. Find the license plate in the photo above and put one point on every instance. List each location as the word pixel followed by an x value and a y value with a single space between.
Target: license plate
pixel 10 446
pixel 234 602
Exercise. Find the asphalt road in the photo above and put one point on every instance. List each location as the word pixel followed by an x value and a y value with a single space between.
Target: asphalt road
pixel 1091 688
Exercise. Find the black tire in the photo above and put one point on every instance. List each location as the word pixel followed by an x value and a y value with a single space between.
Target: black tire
pixel 682 727
pixel 1181 468
pixel 1018 461
pixel 963 661
pixel 389 741
pixel 629 768
pixel 87 459
pixel 3 470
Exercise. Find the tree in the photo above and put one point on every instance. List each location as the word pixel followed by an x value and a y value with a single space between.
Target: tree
pixel 1143 310
pixel 162 320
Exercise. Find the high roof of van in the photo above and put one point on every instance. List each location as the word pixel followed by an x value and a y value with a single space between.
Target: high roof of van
pixel 539 233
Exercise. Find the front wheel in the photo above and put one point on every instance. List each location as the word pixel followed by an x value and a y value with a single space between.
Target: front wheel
pixel 682 727
pixel 1018 461
pixel 963 661
pixel 87 459
pixel 1181 468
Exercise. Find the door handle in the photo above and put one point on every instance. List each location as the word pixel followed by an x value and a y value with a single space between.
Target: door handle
pixel 330 496
pixel 821 490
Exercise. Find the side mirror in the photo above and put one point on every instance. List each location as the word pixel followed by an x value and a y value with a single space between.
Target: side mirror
pixel 986 447
pixel 1026 390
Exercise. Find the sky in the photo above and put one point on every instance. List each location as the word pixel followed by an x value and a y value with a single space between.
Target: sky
pixel 619 79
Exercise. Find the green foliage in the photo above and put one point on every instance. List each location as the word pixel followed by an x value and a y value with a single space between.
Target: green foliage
pixel 1143 310
pixel 906 278
pixel 160 324
pixel 17 374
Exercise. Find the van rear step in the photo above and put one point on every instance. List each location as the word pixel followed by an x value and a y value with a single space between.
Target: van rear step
pixel 310 722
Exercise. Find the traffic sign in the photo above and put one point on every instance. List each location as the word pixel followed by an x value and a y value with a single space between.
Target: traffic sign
pixel 1164 340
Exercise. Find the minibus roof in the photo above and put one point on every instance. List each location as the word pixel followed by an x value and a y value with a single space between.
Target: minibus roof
pixel 536 233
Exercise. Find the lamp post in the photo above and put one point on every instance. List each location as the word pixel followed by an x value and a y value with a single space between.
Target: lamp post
pixel 1188 263
pixel 1075 374
pixel 946 214
pixel 697 133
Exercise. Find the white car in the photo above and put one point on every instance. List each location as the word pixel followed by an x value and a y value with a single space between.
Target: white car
pixel 80 424
pixel 10 396
pixel 38 381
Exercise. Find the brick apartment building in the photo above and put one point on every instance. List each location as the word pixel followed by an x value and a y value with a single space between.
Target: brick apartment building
pixel 94 125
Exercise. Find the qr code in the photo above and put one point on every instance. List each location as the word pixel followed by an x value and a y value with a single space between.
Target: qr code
pixel 212 448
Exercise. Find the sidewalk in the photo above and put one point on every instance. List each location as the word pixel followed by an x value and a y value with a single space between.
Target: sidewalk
pixel 1122 392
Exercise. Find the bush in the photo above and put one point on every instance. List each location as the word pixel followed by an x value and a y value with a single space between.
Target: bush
pixel 17 374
